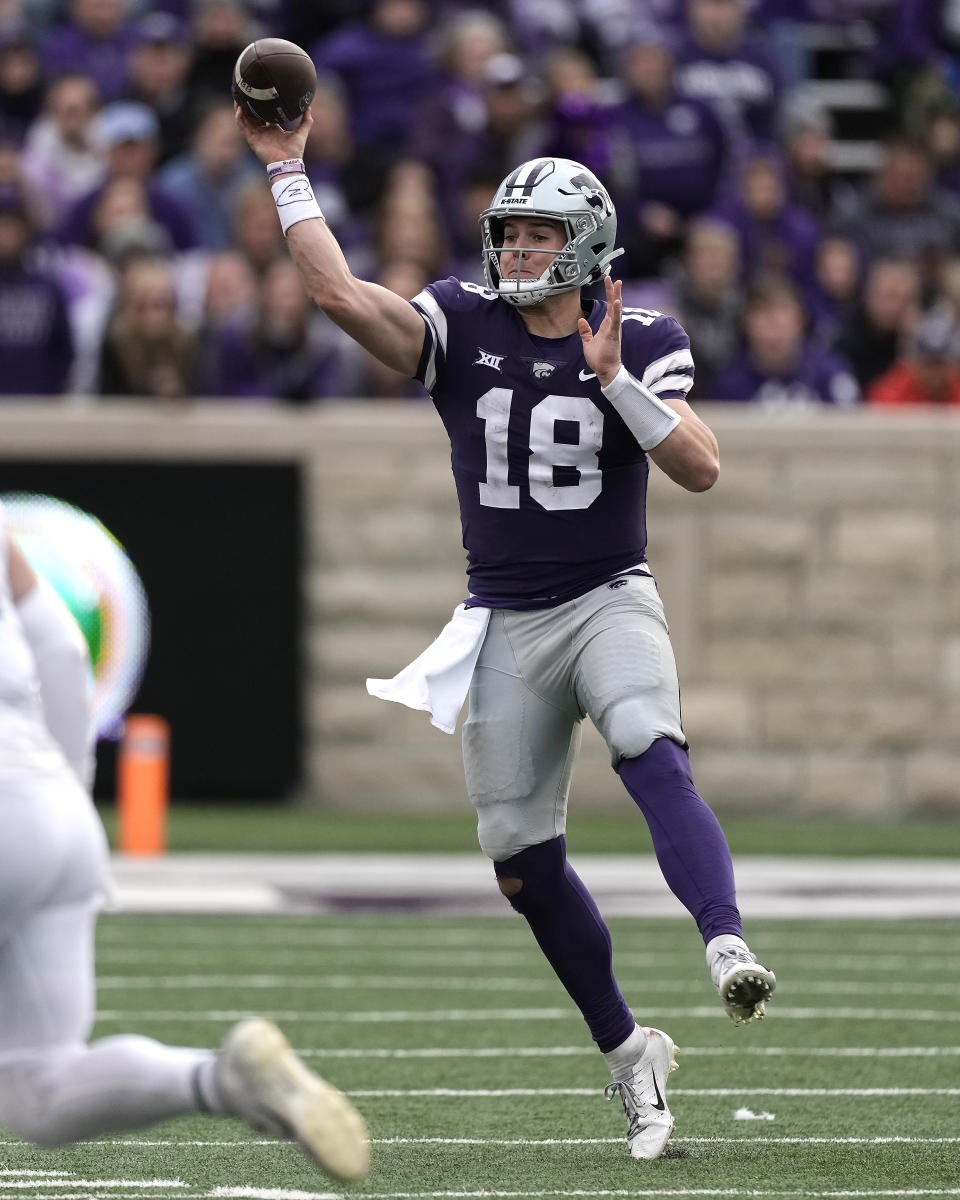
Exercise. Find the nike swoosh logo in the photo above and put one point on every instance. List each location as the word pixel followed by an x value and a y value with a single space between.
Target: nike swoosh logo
pixel 659 1106
pixel 585 375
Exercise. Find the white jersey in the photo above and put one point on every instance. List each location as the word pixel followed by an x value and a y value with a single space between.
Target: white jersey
pixel 25 741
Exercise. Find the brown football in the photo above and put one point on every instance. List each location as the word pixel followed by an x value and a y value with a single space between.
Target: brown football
pixel 274 82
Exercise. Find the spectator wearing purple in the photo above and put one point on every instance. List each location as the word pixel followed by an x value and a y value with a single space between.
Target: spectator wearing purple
pixel 941 135
pixel 902 213
pixel 720 62
pixel 386 71
pixel 288 352
pixel 451 128
pixel 872 336
pixel 775 235
pixel 129 133
pixel 678 151
pixel 159 72
pixel 834 293
pixel 36 345
pixel 578 114
pixel 208 179
pixel 779 367
pixel 60 155
pixel 21 80
pixel 97 40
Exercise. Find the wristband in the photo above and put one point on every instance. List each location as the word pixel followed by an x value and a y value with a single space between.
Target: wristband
pixel 647 417
pixel 286 166
pixel 295 200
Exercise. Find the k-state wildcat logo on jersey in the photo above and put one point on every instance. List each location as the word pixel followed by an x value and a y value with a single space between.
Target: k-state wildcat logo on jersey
pixel 489 360
pixel 542 370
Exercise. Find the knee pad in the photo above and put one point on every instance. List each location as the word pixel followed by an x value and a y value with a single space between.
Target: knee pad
pixel 539 870
pixel 629 727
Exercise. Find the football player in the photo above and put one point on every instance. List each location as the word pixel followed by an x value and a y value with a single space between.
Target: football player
pixel 554 407
pixel 55 1086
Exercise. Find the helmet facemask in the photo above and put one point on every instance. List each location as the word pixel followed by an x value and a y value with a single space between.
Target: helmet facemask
pixel 577 202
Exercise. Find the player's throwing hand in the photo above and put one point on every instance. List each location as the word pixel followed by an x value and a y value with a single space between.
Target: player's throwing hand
pixel 270 143
pixel 602 349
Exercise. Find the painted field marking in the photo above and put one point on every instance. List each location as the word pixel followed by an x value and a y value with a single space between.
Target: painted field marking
pixel 266 955
pixel 71 1181
pixel 492 1093
pixel 628 1194
pixel 411 983
pixel 590 1052
pixel 430 1016
pixel 268 1143
pixel 496 939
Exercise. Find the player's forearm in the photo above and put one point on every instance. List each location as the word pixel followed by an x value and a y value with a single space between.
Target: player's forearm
pixel 382 322
pixel 689 455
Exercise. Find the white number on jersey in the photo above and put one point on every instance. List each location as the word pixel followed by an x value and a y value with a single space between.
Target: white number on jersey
pixel 546 452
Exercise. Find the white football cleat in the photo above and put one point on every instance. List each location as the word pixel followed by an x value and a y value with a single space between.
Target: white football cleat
pixel 644 1096
pixel 744 985
pixel 259 1078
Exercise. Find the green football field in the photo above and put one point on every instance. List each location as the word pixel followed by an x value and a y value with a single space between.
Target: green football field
pixel 477 1078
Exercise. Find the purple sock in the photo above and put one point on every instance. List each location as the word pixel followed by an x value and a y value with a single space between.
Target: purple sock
pixel 571 933
pixel 692 852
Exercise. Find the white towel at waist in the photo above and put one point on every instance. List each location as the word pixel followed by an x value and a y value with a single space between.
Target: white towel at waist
pixel 438 680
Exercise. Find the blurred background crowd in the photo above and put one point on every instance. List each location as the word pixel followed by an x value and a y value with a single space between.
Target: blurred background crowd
pixel 786 174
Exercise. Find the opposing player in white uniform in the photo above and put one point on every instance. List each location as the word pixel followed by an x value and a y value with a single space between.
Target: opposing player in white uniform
pixel 55 1086
pixel 554 405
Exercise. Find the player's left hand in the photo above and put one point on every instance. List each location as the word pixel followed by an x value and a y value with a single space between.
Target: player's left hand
pixel 602 349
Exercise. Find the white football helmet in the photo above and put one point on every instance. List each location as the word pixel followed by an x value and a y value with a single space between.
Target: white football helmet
pixel 556 189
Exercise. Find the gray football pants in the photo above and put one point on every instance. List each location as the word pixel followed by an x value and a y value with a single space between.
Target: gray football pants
pixel 54 1087
pixel 605 655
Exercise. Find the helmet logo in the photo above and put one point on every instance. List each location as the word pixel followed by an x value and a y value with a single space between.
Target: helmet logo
pixel 526 177
pixel 594 196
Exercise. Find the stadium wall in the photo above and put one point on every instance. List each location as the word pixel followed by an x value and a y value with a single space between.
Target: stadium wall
pixel 814 595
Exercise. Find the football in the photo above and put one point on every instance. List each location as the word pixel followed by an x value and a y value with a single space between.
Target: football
pixel 274 82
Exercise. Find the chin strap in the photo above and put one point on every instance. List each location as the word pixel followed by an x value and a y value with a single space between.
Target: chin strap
pixel 608 259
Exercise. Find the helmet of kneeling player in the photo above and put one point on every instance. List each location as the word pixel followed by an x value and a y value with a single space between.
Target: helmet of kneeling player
pixel 554 189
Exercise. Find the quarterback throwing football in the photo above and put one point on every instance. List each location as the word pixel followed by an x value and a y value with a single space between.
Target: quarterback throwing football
pixel 554 409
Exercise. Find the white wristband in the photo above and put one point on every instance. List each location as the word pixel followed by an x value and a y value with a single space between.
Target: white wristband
pixel 647 417
pixel 295 200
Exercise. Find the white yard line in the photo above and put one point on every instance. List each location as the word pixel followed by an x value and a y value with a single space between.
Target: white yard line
pixel 268 1143
pixel 266 956
pixel 590 1052
pixel 495 1093
pixel 472 983
pixel 429 1016
pixel 628 1194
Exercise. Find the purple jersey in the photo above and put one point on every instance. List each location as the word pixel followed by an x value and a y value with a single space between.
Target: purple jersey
pixel 551 482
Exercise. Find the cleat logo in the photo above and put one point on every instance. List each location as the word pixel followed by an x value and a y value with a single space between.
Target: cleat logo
pixel 659 1106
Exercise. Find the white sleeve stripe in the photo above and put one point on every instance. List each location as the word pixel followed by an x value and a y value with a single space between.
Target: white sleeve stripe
pixel 423 300
pixel 430 366
pixel 672 383
pixel 669 362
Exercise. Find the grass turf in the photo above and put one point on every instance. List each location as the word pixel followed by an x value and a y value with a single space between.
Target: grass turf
pixel 287 827
pixel 863 1011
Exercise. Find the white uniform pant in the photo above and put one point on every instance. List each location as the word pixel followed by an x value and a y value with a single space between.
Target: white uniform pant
pixel 605 655
pixel 54 1088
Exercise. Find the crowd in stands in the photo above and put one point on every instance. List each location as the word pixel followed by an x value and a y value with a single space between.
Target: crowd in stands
pixel 141 255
